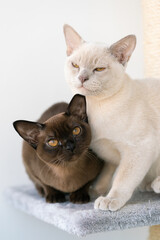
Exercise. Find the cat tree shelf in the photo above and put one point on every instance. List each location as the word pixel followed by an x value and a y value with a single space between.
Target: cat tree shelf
pixel 142 210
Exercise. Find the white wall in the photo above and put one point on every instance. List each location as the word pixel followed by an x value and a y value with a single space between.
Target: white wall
pixel 32 55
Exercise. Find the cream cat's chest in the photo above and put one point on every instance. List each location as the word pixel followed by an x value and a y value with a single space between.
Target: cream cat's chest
pixel 104 122
pixel 104 136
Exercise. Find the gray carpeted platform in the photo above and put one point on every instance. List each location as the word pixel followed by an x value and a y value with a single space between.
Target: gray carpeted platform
pixel 142 210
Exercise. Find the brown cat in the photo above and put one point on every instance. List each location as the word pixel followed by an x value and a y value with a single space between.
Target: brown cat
pixel 56 152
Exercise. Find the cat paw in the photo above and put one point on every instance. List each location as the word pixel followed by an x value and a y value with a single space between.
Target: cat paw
pixel 156 185
pixel 79 198
pixel 106 203
pixel 55 198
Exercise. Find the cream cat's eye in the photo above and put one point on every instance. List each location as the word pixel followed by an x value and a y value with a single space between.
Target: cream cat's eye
pixel 53 143
pixel 75 65
pixel 76 131
pixel 99 69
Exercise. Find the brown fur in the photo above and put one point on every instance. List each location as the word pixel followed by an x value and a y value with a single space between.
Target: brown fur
pixel 59 170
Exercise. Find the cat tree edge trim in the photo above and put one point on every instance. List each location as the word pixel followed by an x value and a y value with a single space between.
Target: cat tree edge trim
pixel 82 219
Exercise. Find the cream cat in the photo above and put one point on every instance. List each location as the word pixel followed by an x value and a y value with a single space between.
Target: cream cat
pixel 124 115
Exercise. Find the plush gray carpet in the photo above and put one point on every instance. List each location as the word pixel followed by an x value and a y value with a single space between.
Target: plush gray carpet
pixel 142 210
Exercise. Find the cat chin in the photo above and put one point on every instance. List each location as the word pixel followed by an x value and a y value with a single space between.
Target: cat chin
pixel 83 91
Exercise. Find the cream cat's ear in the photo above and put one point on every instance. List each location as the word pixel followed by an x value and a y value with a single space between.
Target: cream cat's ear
pixel 123 49
pixel 73 39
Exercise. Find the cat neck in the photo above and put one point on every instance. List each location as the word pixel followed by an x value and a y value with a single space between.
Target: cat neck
pixel 115 93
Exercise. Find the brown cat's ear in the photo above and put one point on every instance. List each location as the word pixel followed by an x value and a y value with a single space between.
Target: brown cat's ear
pixel 77 107
pixel 73 39
pixel 28 131
pixel 123 49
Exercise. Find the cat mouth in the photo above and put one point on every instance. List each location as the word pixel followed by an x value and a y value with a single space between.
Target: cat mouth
pixel 87 91
pixel 82 88
pixel 84 91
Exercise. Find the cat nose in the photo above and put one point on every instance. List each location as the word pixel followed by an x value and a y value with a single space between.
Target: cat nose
pixel 83 78
pixel 70 146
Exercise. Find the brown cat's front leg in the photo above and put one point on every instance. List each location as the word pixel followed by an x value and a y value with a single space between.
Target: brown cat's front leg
pixel 81 195
pixel 54 196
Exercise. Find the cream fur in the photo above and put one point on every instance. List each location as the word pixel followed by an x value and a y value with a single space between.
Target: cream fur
pixel 124 116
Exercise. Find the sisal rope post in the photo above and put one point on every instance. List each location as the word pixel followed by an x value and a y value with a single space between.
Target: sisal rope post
pixel 151 41
pixel 154 233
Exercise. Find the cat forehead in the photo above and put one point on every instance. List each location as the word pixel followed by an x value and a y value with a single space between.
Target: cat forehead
pixel 91 50
pixel 91 55
pixel 61 120
pixel 56 119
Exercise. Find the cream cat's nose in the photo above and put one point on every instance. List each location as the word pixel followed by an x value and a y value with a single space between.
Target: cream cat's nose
pixel 83 78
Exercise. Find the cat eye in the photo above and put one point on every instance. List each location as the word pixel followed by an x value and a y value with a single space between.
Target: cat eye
pixel 76 131
pixel 75 65
pixel 53 143
pixel 99 69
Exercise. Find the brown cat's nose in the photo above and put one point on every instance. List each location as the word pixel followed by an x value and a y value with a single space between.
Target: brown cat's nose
pixel 70 146
pixel 83 78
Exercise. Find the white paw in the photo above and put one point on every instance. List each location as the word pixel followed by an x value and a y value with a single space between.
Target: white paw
pixel 156 185
pixel 106 203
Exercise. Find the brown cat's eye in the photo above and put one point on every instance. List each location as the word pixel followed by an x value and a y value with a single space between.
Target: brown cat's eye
pixel 75 65
pixel 76 131
pixel 53 143
pixel 99 69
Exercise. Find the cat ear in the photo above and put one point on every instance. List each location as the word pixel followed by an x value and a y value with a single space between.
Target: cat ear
pixel 73 39
pixel 29 131
pixel 77 107
pixel 123 49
